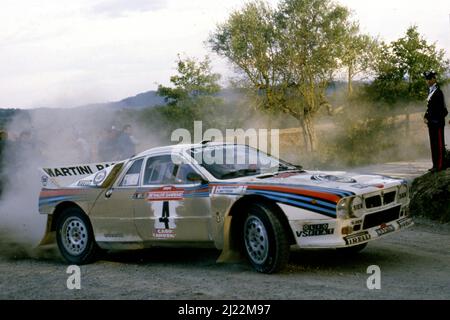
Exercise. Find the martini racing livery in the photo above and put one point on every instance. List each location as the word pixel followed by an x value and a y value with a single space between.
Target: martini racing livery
pixel 231 197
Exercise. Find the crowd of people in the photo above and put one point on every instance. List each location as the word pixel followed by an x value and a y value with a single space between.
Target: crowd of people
pixel 110 145
pixel 116 145
pixel 23 148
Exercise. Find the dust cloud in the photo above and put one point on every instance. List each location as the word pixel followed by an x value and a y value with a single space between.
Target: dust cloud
pixel 48 138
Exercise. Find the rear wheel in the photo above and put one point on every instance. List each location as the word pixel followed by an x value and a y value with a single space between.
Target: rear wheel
pixel 75 237
pixel 265 240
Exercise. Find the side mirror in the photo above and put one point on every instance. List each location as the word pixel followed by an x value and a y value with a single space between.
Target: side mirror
pixel 195 177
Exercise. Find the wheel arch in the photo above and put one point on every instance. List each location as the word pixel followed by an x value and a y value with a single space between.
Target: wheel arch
pixel 59 209
pixel 236 212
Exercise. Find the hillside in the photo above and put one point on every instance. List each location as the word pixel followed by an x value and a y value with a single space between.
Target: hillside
pixel 141 100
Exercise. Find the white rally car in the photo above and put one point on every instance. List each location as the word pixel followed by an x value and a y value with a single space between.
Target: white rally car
pixel 231 197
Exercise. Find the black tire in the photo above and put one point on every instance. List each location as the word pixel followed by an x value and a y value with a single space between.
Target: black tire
pixel 265 240
pixel 352 250
pixel 75 237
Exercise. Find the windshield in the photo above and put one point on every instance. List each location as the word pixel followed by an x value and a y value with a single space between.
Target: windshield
pixel 230 161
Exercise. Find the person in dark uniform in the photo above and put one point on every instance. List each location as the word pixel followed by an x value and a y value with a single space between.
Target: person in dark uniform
pixel 435 120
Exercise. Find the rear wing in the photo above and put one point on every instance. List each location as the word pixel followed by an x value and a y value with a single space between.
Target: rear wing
pixel 57 177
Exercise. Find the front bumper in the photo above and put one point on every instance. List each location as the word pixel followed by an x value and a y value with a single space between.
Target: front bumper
pixel 336 233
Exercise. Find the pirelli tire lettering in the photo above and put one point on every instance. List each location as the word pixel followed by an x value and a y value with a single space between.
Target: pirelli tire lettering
pixel 357 238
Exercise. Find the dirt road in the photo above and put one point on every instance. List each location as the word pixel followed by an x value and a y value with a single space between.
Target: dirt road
pixel 415 264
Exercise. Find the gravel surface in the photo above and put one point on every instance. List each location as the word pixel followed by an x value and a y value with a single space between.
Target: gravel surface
pixel 414 264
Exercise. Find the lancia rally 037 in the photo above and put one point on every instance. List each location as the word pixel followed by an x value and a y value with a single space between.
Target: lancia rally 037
pixel 199 195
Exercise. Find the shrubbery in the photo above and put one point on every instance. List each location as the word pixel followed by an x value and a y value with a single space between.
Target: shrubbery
pixel 430 196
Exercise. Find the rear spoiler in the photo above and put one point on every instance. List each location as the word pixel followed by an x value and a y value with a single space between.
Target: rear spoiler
pixel 57 177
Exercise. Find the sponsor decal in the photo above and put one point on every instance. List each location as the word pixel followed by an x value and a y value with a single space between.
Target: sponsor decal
pixel 404 223
pixel 50 197
pixel 314 230
pixel 364 186
pixel 84 183
pixel 229 189
pixel 80 170
pixel 113 235
pixel 99 177
pixel 384 229
pixel 44 181
pixel 164 233
pixel 284 175
pixel 357 238
pixel 355 222
pixel 323 177
pixel 360 186
pixel 165 193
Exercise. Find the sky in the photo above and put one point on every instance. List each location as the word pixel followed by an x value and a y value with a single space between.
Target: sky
pixel 63 53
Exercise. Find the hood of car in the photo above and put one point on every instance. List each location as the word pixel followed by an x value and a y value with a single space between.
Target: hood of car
pixel 353 182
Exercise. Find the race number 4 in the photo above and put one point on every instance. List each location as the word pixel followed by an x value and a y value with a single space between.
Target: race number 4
pixel 165 214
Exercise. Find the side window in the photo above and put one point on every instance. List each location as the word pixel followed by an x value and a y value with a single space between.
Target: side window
pixel 161 170
pixel 183 171
pixel 131 178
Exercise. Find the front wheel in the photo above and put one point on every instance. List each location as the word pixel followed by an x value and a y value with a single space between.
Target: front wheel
pixel 75 237
pixel 266 242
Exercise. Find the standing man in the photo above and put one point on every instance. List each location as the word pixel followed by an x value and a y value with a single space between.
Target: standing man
pixel 435 120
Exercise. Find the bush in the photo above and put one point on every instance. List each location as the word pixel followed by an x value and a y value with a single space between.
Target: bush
pixel 430 196
pixel 362 135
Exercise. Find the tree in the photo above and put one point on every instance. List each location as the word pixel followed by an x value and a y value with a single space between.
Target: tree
pixel 194 79
pixel 359 53
pixel 399 70
pixel 400 65
pixel 193 95
pixel 288 55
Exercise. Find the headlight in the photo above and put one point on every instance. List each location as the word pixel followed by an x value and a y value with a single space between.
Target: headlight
pixel 357 207
pixel 342 209
pixel 403 194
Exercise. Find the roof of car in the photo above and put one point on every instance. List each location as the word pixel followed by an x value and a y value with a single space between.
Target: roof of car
pixel 176 148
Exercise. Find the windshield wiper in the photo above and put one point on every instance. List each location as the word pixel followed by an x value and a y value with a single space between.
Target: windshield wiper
pixel 282 167
pixel 239 173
